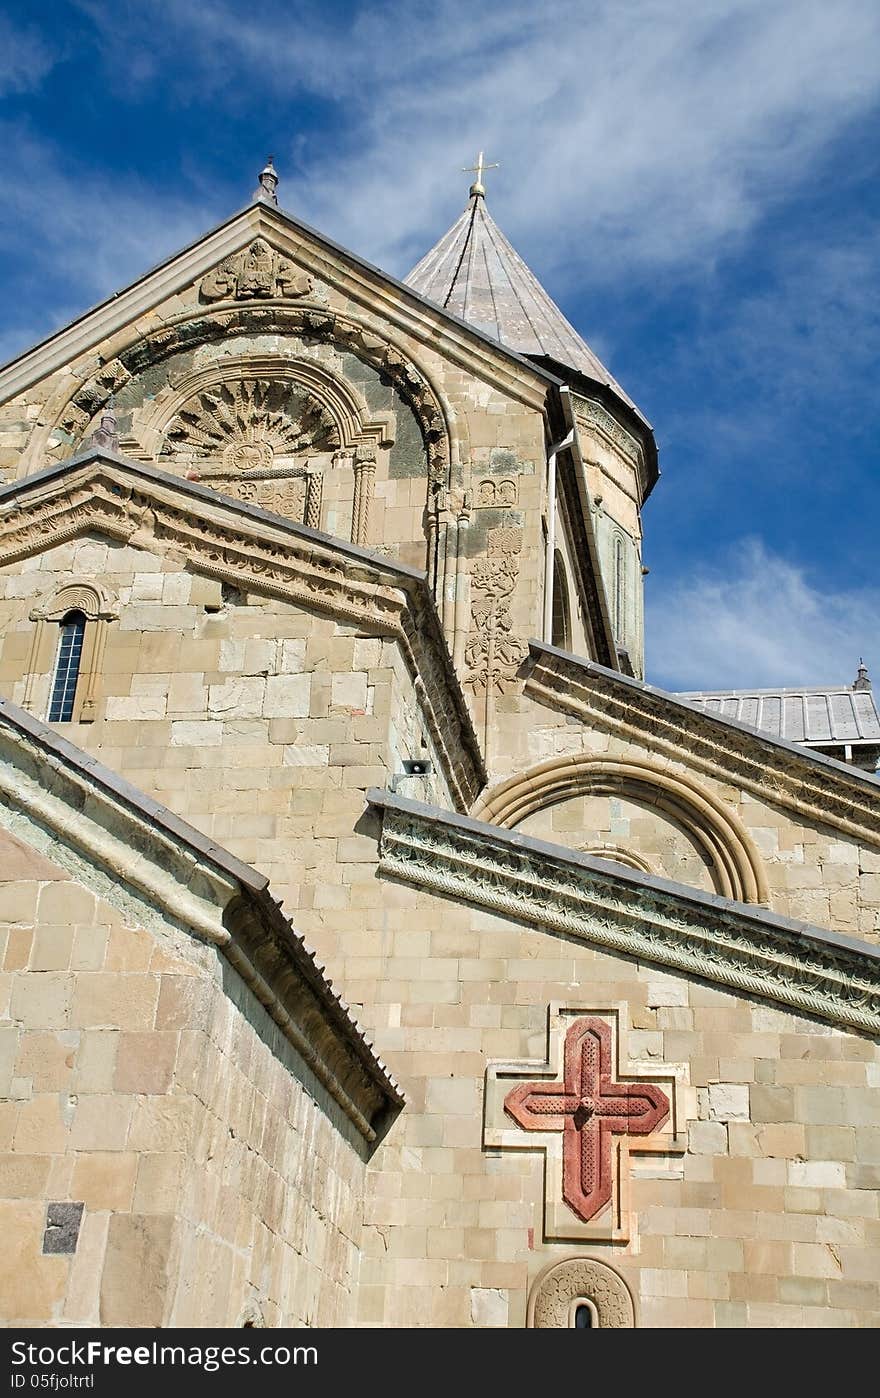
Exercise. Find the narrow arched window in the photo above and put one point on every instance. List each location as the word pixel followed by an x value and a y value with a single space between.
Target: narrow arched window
pixel 561 630
pixel 583 1317
pixel 70 644
pixel 619 590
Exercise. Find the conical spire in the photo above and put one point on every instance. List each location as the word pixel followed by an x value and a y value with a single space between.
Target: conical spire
pixel 475 273
pixel 862 680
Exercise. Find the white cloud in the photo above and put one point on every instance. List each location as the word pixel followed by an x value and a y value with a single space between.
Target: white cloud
pixel 755 619
pixel 638 135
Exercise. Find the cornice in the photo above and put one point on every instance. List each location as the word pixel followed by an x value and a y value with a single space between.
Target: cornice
pixel 817 788
pixel 143 859
pixel 742 948
pixel 250 548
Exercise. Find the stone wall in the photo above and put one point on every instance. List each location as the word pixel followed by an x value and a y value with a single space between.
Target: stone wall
pixel 193 1170
pixel 769 1217
pixel 260 723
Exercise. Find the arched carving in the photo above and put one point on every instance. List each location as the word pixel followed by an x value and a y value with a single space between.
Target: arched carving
pixel 736 866
pixel 89 597
pixel 563 1286
pixel 619 854
pixel 311 321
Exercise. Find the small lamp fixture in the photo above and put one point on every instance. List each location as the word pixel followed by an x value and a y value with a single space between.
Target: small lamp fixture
pixel 412 767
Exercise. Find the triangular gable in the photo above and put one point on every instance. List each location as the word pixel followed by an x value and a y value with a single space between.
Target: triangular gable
pixel 99 491
pixel 412 313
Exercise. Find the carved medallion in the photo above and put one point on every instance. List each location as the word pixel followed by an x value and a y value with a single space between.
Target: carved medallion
pixel 565 1285
pixel 244 425
pixel 257 273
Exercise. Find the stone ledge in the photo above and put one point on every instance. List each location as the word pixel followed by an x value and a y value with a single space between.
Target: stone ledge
pixel 743 948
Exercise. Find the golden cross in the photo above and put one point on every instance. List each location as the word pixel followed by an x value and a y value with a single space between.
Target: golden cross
pixel 478 187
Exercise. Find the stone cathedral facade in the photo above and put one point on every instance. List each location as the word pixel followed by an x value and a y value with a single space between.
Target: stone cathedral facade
pixel 376 947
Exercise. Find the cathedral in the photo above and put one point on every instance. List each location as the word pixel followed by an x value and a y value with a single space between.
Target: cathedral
pixel 377 947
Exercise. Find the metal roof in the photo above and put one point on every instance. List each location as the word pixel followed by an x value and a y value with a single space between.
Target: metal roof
pixel 812 716
pixel 473 272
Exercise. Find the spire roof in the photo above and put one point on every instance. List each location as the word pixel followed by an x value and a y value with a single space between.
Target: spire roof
pixel 474 273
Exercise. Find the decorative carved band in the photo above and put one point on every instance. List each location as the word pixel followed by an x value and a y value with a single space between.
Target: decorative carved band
pixel 303 321
pixel 796 781
pixel 791 963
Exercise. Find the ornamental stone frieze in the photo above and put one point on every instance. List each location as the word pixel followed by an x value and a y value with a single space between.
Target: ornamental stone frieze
pixel 745 949
pixel 587 1113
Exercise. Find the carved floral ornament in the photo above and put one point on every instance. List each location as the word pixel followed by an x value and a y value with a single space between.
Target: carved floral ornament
pixel 492 652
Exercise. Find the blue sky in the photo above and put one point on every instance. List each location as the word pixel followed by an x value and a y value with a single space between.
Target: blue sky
pixel 695 182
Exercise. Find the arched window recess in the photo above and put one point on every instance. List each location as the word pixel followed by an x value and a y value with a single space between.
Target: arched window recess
pixel 68 641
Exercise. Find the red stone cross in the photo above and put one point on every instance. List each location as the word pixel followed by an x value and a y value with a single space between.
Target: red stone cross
pixel 588 1108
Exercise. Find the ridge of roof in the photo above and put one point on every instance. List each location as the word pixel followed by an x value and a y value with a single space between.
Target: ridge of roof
pixel 254 886
pixel 284 217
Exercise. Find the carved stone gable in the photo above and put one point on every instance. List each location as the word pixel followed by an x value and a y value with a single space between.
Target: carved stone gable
pixel 257 273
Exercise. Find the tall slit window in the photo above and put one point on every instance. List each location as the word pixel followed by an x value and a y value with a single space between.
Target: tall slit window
pixel 561 630
pixel 619 590
pixel 70 644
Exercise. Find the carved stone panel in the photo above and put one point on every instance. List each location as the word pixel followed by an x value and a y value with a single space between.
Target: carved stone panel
pixel 246 424
pixel 581 1280
pixel 492 652
pixel 256 273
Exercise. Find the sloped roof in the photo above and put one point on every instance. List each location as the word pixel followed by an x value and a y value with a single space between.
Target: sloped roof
pixel 476 274
pixel 811 716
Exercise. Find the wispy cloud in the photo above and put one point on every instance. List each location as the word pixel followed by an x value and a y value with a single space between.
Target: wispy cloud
pixel 659 130
pixel 78 233
pixel 27 58
pixel 756 619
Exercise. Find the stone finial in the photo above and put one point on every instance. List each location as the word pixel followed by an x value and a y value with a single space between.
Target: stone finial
pixel 268 184
pixel 107 434
pixel 862 680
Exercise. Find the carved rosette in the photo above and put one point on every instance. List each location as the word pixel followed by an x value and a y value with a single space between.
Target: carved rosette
pixel 245 425
pixel 493 653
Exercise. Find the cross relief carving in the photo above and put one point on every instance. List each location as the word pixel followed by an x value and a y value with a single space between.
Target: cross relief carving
pixel 589 1118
